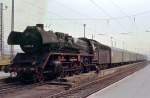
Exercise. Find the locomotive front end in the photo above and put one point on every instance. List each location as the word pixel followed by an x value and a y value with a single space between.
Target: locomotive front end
pixel 30 40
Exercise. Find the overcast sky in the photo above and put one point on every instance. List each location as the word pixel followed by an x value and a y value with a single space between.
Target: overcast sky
pixel 108 17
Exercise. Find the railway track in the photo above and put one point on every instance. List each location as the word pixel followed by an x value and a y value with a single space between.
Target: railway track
pixel 89 88
pixel 80 91
pixel 6 88
pixel 12 87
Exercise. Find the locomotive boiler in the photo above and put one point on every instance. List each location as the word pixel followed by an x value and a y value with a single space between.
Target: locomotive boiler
pixel 34 39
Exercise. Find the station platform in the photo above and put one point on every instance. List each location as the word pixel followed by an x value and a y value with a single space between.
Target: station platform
pixel 136 85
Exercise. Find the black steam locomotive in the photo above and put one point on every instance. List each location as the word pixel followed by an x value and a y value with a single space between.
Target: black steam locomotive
pixel 49 54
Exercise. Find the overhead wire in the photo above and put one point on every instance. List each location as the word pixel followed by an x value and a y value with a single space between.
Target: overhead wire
pixel 122 11
pixel 71 9
pixel 68 19
pixel 119 8
pixel 53 13
pixel 104 11
pixel 112 18
pixel 75 11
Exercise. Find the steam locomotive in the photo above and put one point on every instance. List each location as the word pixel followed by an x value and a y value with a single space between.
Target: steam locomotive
pixel 49 54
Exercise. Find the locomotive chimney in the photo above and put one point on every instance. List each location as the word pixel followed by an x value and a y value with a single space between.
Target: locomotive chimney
pixel 40 25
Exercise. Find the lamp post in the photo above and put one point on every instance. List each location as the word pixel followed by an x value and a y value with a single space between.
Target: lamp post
pixel 123 45
pixel 1 28
pixel 12 29
pixel 123 42
pixel 111 39
pixel 92 36
pixel 111 42
pixel 84 25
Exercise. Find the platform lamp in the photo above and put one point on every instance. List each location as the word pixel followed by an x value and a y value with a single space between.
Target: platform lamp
pixel 12 29
pixel 84 25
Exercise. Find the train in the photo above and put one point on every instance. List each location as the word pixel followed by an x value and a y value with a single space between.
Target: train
pixel 48 54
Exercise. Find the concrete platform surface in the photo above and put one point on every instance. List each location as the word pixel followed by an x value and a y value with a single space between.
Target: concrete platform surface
pixel 136 85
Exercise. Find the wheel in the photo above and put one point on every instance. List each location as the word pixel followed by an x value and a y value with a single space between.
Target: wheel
pixel 39 75
pixel 53 70
pixel 84 68
pixel 76 67
pixel 26 77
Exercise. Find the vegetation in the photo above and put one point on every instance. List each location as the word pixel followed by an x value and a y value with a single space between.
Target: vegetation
pixel 4 60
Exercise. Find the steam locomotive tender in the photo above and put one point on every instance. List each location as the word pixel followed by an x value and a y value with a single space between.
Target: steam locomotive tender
pixel 49 54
